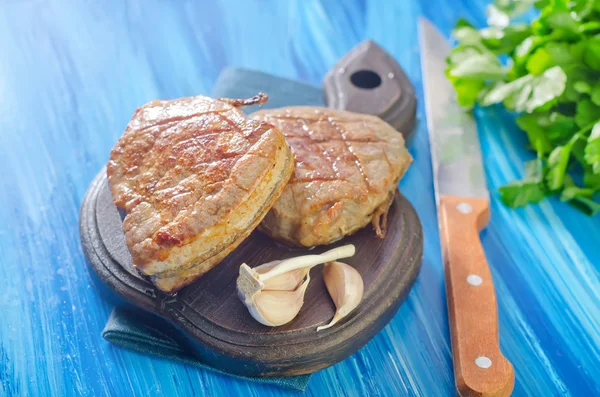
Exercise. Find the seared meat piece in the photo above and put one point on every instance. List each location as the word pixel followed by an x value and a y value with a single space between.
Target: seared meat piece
pixel 347 168
pixel 195 177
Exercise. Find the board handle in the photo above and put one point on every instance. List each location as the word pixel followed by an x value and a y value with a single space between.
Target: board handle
pixel 368 80
pixel 480 369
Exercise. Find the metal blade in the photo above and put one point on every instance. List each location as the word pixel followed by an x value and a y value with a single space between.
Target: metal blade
pixel 455 149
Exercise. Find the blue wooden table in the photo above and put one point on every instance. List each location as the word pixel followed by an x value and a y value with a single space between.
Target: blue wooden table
pixel 72 73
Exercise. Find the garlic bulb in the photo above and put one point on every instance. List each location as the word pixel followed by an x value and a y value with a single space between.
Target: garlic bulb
pixel 274 291
pixel 345 286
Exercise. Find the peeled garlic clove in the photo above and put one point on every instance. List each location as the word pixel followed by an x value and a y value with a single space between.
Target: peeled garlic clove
pixel 275 308
pixel 284 282
pixel 345 286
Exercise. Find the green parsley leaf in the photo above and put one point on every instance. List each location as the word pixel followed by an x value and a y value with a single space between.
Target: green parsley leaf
pixel 591 180
pixel 569 193
pixel 467 91
pixel 586 113
pixel 520 193
pixel 592 149
pixel 530 123
pixel 595 94
pixel 583 87
pixel 548 73
pixel 479 67
pixel 557 164
pixel 513 8
pixel 558 127
pixel 529 190
pixel 529 92
pixel 562 24
pixel 571 190
pixel 576 74
pixel 539 61
pixel 503 40
pixel 591 56
pixel 561 53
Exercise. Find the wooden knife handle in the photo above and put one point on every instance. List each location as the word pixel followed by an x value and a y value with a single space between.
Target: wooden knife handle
pixel 480 369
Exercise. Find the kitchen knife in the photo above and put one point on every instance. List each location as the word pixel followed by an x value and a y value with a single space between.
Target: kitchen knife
pixel 462 198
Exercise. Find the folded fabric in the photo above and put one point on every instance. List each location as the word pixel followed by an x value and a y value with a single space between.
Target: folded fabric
pixel 149 334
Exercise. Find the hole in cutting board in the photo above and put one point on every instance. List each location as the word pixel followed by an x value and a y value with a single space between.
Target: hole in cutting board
pixel 367 79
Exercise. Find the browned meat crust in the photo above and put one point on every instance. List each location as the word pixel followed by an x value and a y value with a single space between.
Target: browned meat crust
pixel 347 168
pixel 195 177
pixel 259 99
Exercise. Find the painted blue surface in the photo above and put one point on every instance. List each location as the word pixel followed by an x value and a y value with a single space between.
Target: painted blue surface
pixel 71 74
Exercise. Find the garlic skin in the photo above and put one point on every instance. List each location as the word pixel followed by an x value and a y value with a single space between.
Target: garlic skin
pixel 284 282
pixel 345 286
pixel 274 292
pixel 274 308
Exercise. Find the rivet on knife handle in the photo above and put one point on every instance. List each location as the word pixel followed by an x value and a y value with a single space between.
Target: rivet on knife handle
pixel 480 369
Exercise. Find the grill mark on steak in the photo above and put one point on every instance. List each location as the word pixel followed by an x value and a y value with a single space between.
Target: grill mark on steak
pixel 348 147
pixel 171 122
pixel 176 146
pixel 162 235
pixel 347 164
pixel 331 162
pixel 165 174
pixel 149 164
pixel 325 153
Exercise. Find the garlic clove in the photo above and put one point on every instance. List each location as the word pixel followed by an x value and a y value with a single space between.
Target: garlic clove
pixel 345 286
pixel 250 282
pixel 275 308
pixel 274 291
pixel 284 282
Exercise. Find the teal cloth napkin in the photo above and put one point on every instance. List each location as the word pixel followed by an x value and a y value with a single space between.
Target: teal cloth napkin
pixel 149 334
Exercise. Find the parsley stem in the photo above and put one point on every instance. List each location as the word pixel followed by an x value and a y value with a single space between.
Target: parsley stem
pixel 589 26
pixel 587 128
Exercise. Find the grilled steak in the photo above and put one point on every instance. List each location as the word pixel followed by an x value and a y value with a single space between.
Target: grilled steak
pixel 347 168
pixel 195 177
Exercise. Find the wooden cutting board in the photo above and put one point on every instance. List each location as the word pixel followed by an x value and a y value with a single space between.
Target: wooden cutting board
pixel 209 314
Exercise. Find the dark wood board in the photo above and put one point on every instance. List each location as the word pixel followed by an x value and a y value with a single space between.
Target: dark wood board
pixel 218 325
pixel 210 315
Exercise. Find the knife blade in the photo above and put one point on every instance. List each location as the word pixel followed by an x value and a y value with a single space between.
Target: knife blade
pixel 463 211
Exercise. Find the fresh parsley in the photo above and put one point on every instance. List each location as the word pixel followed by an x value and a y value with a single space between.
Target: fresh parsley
pixel 548 73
